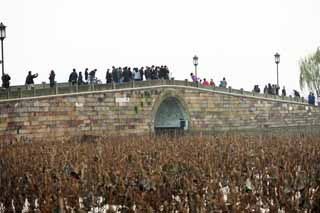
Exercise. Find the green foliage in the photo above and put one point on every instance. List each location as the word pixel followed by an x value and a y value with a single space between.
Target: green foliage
pixel 310 72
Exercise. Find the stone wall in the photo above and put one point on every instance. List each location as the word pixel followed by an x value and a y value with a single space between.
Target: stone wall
pixel 133 111
pixel 222 112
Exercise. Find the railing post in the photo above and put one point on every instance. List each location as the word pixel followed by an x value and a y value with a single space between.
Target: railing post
pixel 33 91
pixel 133 84
pixel 19 92
pixel 8 93
pixel 230 89
pixel 113 85
pixel 241 91
pixel 56 90
pixel 70 87
pixel 186 82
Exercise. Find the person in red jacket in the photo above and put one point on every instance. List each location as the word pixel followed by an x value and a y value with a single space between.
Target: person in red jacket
pixel 205 82
pixel 212 82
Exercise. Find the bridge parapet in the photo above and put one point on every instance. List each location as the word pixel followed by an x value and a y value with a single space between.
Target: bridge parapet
pixel 40 90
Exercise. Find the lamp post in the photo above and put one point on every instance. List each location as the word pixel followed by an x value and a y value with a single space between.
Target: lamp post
pixel 277 60
pixel 2 37
pixel 195 63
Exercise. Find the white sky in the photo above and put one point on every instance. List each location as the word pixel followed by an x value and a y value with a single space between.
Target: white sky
pixel 233 39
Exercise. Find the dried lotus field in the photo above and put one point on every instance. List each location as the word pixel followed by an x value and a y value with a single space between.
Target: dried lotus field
pixel 225 173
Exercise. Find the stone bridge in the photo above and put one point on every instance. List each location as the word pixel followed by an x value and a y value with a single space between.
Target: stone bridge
pixel 139 108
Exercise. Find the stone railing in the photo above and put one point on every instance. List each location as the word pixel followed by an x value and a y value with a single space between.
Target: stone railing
pixel 16 92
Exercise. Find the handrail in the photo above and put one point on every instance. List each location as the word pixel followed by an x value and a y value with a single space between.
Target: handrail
pixel 40 90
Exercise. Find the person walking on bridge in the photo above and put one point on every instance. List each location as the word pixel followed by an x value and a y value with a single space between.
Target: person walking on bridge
pixel 29 79
pixel 73 78
pixel 92 76
pixel 223 83
pixel 194 78
pixel 51 78
pixel 6 81
pixel 108 77
pixel 80 79
pixel 86 74
pixel 212 83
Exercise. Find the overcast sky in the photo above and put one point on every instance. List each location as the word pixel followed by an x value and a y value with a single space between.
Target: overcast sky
pixel 233 39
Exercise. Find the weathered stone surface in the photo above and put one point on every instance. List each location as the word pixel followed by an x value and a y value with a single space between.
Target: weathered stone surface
pixel 98 113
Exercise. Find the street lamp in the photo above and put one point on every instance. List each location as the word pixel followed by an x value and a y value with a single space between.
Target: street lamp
pixel 195 63
pixel 2 37
pixel 277 60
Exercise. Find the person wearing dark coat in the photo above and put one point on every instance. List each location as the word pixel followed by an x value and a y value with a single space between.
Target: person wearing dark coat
pixel 283 93
pixel 86 74
pixel 6 81
pixel 147 73
pixel 265 90
pixel 92 76
pixel 256 89
pixel 114 74
pixel 270 89
pixel 166 73
pixel 311 99
pixel 73 78
pixel 108 77
pixel 130 73
pixel 80 80
pixel 51 78
pixel 277 88
pixel 29 79
pixel 141 70
pixel 126 74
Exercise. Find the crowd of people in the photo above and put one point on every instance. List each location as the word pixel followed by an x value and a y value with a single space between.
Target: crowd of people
pixel 270 89
pixel 126 74
pixel 121 75
pixel 275 90
pixel 205 82
pixel 116 74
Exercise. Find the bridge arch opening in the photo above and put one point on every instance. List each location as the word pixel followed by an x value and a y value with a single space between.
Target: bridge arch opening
pixel 171 116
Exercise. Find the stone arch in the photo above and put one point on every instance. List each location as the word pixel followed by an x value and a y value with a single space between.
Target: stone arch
pixel 170 112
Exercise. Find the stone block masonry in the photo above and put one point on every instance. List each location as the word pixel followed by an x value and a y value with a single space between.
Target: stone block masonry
pixel 133 111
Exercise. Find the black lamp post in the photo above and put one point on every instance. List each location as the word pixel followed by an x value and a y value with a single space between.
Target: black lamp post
pixel 277 60
pixel 2 37
pixel 195 63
